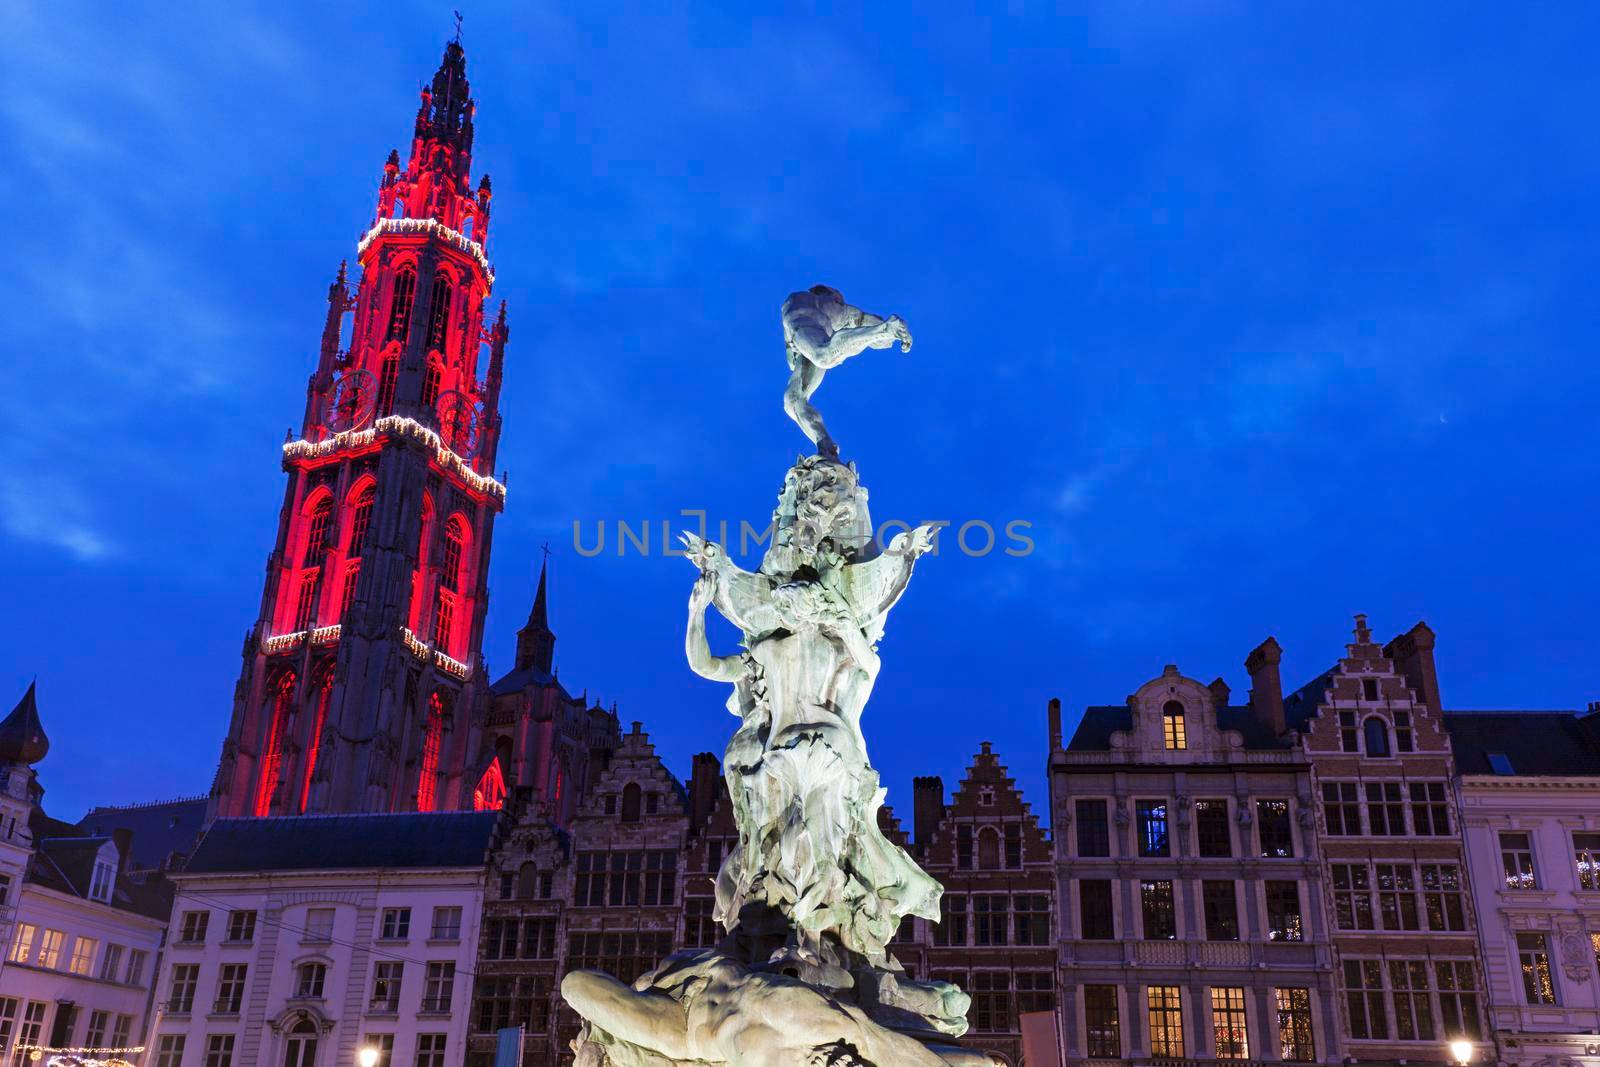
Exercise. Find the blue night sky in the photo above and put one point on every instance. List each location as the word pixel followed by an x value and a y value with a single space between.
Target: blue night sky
pixel 1261 319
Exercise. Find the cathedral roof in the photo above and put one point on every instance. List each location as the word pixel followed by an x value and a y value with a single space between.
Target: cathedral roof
pixel 22 737
pixel 159 829
pixel 345 842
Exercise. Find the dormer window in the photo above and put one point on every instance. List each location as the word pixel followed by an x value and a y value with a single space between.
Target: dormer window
pixel 1174 735
pixel 1375 734
pixel 100 884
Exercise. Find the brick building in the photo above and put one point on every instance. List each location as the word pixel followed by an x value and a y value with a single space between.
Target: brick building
pixel 1191 911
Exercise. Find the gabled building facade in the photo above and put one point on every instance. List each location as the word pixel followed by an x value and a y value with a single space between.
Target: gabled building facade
pixel 1192 925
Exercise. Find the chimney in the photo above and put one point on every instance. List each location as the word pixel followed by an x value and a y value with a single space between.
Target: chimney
pixel 1054 715
pixel 122 837
pixel 704 782
pixel 927 807
pixel 1412 653
pixel 1266 687
pixel 1220 693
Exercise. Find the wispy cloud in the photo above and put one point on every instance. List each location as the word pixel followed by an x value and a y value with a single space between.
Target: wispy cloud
pixel 51 512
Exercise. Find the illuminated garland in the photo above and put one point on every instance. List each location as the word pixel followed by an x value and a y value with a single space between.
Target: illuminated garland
pixel 432 227
pixel 322 635
pixel 422 651
pixel 403 426
pixel 81 1057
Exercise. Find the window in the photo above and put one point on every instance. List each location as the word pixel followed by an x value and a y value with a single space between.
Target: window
pixel 539 937
pixel 1413 1008
pixel 169 1051
pixel 1537 984
pixel 432 739
pixel 964 847
pixel 405 291
pixel 1274 829
pixel 1403 741
pixel 50 949
pixel 1152 827
pixel 1386 815
pixel 309 979
pixel 1032 918
pixel 1166 1021
pixel 1516 856
pixel 1156 900
pixel 508 884
pixel 8 1021
pixel 33 1025
pixel 952 928
pixel 230 989
pixel 438 986
pixel 1363 985
pixel 83 950
pixel 22 942
pixel 1013 845
pixel 1101 1027
pixel 1213 835
pixel 305 606
pixel 110 964
pixel 360 519
pixel 319 924
pixel 1220 903
pixel 1352 896
pixel 1228 1031
pixel 1375 732
pixel 1430 815
pixel 430 1050
pixel 500 939
pixel 1500 763
pixel 388 378
pixel 991 1002
pixel 1283 912
pixel 699 928
pixel 347 595
pixel 444 622
pixel 241 927
pixel 386 981
pixel 1094 910
pixel 988 849
pixel 505 1002
pixel 136 960
pixel 1347 732
pixel 1094 830
pixel 5 886
pixel 450 571
pixel 626 879
pixel 1369 690
pixel 1173 734
pixel 384 1043
pixel 1586 850
pixel 1341 809
pixel 100 884
pixel 193 930
pixel 317 538
pixel 446 924
pixel 396 924
pixel 624 955
pixel 94 1038
pixel 1397 896
pixel 219 1050
pixel 989 918
pixel 652 803
pixel 430 384
pixel 1295 1043
pixel 1035 992
pixel 122 1031
pixel 1458 999
pixel 1441 896
pixel 180 992
pixel 439 312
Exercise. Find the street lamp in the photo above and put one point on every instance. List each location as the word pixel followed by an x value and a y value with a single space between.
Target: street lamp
pixel 368 1056
pixel 1459 1048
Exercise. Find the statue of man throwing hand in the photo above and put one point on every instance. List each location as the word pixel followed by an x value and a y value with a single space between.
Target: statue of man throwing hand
pixel 822 331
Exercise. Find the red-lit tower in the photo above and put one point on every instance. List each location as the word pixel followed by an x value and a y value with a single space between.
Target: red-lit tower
pixel 363 686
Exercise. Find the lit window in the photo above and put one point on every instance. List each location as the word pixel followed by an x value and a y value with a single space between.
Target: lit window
pixel 1516 856
pixel 386 979
pixel 309 980
pixel 83 950
pixel 1586 851
pixel 1413 1007
pixel 1155 898
pixel 1166 1021
pixel 50 949
pixel 1295 1043
pixel 1173 734
pixel 1274 829
pixel 1152 827
pixel 1229 1035
pixel 490 793
pixel 1537 984
pixel 1363 985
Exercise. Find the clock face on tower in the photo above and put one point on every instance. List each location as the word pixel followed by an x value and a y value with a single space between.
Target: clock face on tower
pixel 351 400
pixel 458 424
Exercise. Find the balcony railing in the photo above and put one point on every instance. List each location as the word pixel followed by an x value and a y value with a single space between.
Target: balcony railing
pixel 384 1006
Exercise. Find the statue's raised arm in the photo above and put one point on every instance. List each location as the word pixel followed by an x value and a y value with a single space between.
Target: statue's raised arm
pixel 822 331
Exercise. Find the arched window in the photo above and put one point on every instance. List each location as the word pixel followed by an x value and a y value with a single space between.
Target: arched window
pixel 439 312
pixel 424 536
pixel 360 519
pixel 280 703
pixel 527 878
pixel 630 802
pixel 444 622
pixel 322 696
pixel 988 849
pixel 432 741
pixel 1174 734
pixel 405 291
pixel 466 227
pixel 455 536
pixel 1375 732
pixel 430 385
pixel 305 607
pixel 347 595
pixel 388 378
pixel 491 791
pixel 317 532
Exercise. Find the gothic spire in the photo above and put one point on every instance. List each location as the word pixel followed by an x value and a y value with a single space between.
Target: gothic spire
pixel 22 738
pixel 536 643
pixel 445 117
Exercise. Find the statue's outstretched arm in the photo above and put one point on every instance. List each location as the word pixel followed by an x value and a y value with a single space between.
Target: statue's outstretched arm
pixel 827 350
pixel 695 645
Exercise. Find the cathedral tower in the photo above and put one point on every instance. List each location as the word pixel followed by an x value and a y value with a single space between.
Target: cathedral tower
pixel 362 688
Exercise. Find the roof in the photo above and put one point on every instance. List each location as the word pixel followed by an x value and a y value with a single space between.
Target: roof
pixel 1300 706
pixel 345 842
pixel 1100 722
pixel 66 865
pixel 1551 743
pixel 159 829
pixel 515 681
pixel 22 738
